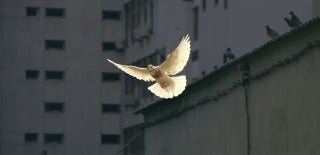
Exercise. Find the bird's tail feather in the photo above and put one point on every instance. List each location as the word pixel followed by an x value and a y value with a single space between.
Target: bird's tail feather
pixel 176 87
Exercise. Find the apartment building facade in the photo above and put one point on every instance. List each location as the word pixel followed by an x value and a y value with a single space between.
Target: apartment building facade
pixel 57 96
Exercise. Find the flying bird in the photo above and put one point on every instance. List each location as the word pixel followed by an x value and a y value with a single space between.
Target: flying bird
pixel 271 32
pixel 166 85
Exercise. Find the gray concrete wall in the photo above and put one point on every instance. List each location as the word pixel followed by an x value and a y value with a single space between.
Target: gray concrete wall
pixel 240 27
pixel 283 107
pixel 82 91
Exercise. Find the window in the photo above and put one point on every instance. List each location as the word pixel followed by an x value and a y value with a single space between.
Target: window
pixel 112 15
pixel 108 46
pixel 194 55
pixel 54 75
pixel 110 108
pixel 110 76
pixel 145 11
pixel 53 138
pixel 225 4
pixel 204 5
pixel 151 17
pixel 32 11
pixel 55 44
pixel 110 139
pixel 216 2
pixel 32 74
pixel 195 23
pixel 54 107
pixel 30 137
pixel 55 12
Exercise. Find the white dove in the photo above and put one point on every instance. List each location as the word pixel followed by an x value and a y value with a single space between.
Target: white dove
pixel 165 86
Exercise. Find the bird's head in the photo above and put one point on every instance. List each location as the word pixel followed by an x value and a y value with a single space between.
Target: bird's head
pixel 267 26
pixel 291 12
pixel 150 67
pixel 228 50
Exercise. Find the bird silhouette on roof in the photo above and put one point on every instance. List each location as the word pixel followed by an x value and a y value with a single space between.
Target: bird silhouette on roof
pixel 271 32
pixel 294 21
pixel 165 85
pixel 228 55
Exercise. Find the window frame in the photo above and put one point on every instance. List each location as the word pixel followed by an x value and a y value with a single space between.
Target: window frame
pixel 111 15
pixel 31 137
pixel 54 77
pixel 53 140
pixel 53 110
pixel 195 19
pixel 32 74
pixel 32 14
pixel 51 44
pixel 194 55
pixel 114 139
pixel 112 109
pixel 106 46
pixel 104 77
pixel 51 14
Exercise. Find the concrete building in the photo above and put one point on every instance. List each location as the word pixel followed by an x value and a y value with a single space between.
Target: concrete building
pixel 153 28
pixel 55 93
pixel 264 102
pixel 59 96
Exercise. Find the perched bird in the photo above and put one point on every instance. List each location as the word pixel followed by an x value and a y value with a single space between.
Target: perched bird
pixel 289 22
pixel 228 56
pixel 295 21
pixel 165 86
pixel 271 32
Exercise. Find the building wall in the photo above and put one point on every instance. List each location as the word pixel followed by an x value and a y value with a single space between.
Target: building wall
pixel 221 24
pixel 82 89
pixel 239 25
pixel 210 117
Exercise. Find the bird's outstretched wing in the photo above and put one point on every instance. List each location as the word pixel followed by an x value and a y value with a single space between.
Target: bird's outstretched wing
pixel 137 72
pixel 178 58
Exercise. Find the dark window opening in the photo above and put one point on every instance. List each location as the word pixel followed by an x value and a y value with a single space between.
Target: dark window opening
pixel 110 139
pixel 32 11
pixel 110 76
pixel 225 4
pixel 55 12
pixel 195 23
pixel 108 46
pixel 204 5
pixel 53 138
pixel 110 108
pixel 194 55
pixel 55 44
pixel 32 74
pixel 30 137
pixel 113 15
pixel 54 107
pixel 145 11
pixel 216 2
pixel 54 74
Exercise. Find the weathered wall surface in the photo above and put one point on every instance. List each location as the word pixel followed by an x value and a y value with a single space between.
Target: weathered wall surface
pixel 282 98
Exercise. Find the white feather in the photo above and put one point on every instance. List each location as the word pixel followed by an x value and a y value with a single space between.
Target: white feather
pixel 176 87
